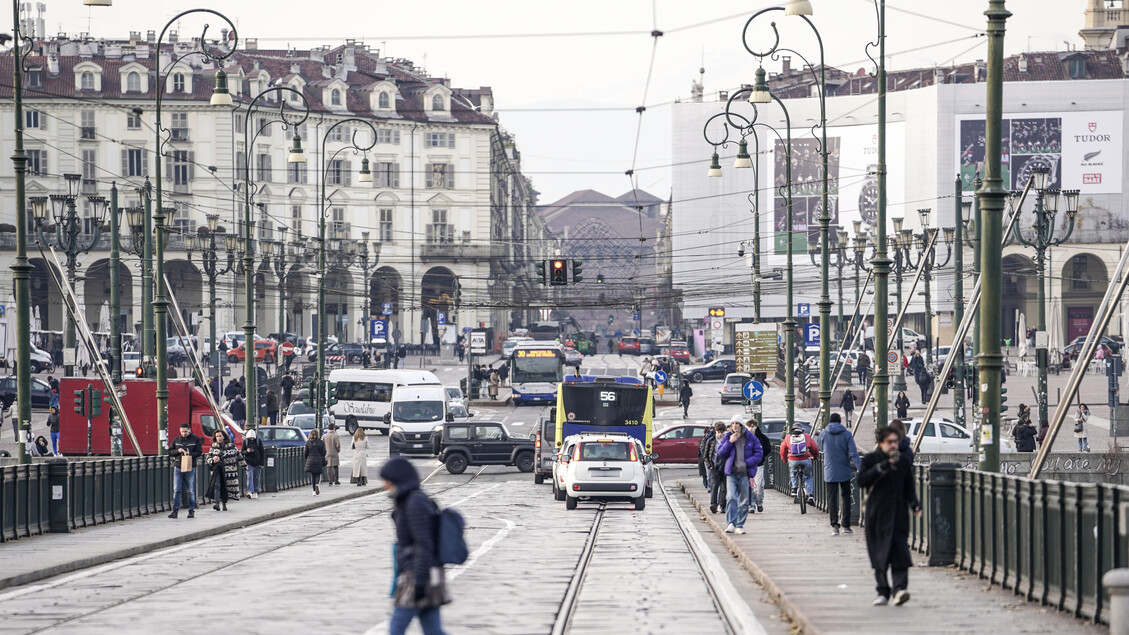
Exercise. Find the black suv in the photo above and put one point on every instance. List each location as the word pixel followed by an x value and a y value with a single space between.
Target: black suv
pixel 350 351
pixel 482 443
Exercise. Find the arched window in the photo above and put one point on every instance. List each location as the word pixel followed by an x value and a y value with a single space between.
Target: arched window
pixel 87 80
pixel 294 96
pixel 178 83
pixel 133 82
pixel 335 97
pixel 382 101
pixel 437 102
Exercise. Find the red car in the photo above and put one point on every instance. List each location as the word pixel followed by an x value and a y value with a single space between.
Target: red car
pixel 680 353
pixel 264 352
pixel 629 345
pixel 679 444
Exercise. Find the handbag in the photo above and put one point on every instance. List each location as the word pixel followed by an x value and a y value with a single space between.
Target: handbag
pixel 1078 426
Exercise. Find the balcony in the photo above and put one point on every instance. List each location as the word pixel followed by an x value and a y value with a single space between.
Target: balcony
pixel 454 252
pixel 86 133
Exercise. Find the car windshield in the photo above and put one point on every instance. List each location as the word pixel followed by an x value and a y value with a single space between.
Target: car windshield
pixel 457 410
pixel 736 380
pixel 299 408
pixel 286 434
pixel 417 411
pixel 305 422
pixel 454 393
pixel 604 451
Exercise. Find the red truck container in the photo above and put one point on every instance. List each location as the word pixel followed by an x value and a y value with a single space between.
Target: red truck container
pixel 186 403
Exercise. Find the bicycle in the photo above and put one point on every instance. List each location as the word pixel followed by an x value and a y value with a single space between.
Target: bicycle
pixel 799 493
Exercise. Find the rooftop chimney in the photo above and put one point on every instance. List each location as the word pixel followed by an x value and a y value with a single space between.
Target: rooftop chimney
pixel 787 62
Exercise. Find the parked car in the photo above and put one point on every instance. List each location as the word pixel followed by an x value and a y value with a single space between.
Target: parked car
pixel 282 436
pixel 265 351
pixel 733 390
pixel 482 443
pixel 717 369
pixel 774 428
pixel 40 391
pixel 351 351
pixel 942 435
pixel 1075 346
pixel 679 444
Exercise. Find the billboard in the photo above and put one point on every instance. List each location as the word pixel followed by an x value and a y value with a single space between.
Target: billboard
pixel 852 182
pixel 1081 150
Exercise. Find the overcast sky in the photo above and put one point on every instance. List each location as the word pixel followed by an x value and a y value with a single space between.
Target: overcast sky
pixel 567 77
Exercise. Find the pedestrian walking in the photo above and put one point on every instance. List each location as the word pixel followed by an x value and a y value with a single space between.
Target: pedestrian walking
pixel 847 403
pixel 1024 434
pixel 332 455
pixel 315 459
pixel 705 452
pixel 401 355
pixel 288 359
pixel 494 383
pixel 756 483
pixel 684 394
pixel 611 345
pixel 901 404
pixel 255 457
pixel 503 373
pixel 224 459
pixel 53 427
pixel 742 454
pixel 862 367
pixel 272 407
pixel 717 470
pixel 1044 427
pixel 238 410
pixel 366 358
pixel 8 410
pixel 232 390
pixel 840 460
pixel 887 477
pixel 287 383
pixel 186 449
pixel 797 450
pixel 360 458
pixel 921 375
pixel 419 587
pixel 1080 420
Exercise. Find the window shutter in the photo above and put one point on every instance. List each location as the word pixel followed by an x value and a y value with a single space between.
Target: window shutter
pixel 347 167
pixel 191 165
pixel 168 166
pixel 396 137
pixel 451 140
pixel 427 175
pixel 144 162
pixel 450 176
pixel 125 163
pixel 44 166
pixel 395 176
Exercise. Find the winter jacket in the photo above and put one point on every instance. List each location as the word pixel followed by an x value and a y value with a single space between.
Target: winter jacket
pixel 253 452
pixel 272 401
pixel 192 444
pixel 232 391
pixel 414 515
pixel 902 405
pixel 785 447
pixel 315 456
pixel 684 394
pixel 766 445
pixel 848 402
pixel 1024 438
pixel 840 455
pixel 53 422
pixel 727 451
pixel 707 452
pixel 238 410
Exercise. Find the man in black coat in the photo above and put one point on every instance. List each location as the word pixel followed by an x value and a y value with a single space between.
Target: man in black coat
pixel 684 394
pixel 886 476
pixel 187 444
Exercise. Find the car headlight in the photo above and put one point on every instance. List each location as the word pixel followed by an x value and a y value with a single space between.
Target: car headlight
pixel 438 428
pixel 396 429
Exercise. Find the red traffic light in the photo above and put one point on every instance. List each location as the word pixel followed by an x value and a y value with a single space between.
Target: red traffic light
pixel 558 264
pixel 558 274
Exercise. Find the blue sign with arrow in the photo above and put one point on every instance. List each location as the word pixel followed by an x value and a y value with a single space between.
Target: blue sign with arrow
pixel 753 391
pixel 660 377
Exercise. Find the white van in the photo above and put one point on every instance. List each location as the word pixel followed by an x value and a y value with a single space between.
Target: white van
pixel 365 396
pixel 417 415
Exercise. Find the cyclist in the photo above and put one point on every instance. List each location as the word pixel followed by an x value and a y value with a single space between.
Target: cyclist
pixel 798 449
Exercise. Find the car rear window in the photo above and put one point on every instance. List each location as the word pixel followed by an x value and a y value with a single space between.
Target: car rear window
pixel 604 451
pixel 736 380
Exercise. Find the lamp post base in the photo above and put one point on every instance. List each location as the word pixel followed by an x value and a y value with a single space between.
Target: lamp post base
pixel 898 383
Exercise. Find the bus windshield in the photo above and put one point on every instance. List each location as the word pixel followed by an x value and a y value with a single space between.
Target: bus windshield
pixel 540 365
pixel 604 404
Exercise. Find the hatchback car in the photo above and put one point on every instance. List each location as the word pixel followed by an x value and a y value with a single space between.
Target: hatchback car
pixel 264 352
pixel 307 421
pixel 604 467
pixel 679 444
pixel 733 390
pixel 629 345
pixel 296 407
pixel 942 435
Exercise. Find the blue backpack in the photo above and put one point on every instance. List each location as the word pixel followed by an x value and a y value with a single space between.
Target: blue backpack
pixel 450 545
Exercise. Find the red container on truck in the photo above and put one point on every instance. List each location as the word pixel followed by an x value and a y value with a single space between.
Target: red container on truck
pixel 186 403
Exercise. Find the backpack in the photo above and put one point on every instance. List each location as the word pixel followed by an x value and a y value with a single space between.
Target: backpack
pixel 798 445
pixel 450 545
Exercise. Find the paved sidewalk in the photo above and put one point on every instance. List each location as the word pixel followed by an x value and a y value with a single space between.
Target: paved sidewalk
pixel 824 584
pixel 39 557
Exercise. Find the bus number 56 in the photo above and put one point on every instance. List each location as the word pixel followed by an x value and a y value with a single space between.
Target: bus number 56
pixel 607 396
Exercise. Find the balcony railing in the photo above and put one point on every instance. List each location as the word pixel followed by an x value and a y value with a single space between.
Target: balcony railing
pixel 461 251
pixel 174 242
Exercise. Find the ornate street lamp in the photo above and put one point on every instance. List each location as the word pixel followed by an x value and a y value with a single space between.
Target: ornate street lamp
pixel 210 240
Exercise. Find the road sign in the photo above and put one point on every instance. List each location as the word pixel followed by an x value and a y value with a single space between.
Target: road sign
pixel 755 347
pixel 717 324
pixel 386 308
pixel 379 329
pixel 440 318
pixel 478 342
pixel 892 357
pixel 892 362
pixel 803 310
pixel 636 316
pixel 660 377
pixel 717 312
pixel 287 348
pixel 811 334
pixel 753 391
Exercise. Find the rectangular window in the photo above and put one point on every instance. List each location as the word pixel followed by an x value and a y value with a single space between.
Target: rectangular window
pixel 86 125
pixel 178 126
pixel 35 78
pixel 301 131
pixel 134 162
pixel 240 164
pixel 439 140
pixel 384 230
pixel 440 176
pixel 35 120
pixel 238 122
pixel 263 167
pixel 89 171
pixel 296 219
pixel 340 133
pixel 181 166
pixel 439 231
pixel 387 135
pixel 340 172
pixel 386 174
pixel 264 126
pixel 37 162
pixel 179 221
pixel 296 173
pixel 133 121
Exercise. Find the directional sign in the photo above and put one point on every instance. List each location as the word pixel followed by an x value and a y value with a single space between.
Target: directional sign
pixel 753 391
pixel 803 310
pixel 636 316
pixel 440 318
pixel 386 308
pixel 811 334
pixel 660 377
pixel 379 329
pixel 755 348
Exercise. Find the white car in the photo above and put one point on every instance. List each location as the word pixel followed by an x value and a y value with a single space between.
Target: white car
pixel 131 360
pixel 733 390
pixel 605 467
pixel 455 395
pixel 944 436
pixel 296 407
pixel 509 345
pixel 559 465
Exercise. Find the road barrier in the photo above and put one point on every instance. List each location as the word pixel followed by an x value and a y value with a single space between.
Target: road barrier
pixel 60 495
pixel 1048 541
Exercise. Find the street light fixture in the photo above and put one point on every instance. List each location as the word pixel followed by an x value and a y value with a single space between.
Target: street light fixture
pixel 743 160
pixel 296 154
pixel 715 167
pixel 797 7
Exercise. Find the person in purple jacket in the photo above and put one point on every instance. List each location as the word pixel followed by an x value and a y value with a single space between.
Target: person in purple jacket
pixel 741 453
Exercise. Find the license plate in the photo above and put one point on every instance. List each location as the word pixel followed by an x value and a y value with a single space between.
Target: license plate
pixel 417 445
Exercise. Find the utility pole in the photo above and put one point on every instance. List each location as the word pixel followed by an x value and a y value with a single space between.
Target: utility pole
pixel 958 304
pixel 881 261
pixel 115 320
pixel 21 268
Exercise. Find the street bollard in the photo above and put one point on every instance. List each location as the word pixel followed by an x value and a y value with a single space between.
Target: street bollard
pixel 59 513
pixel 942 506
pixel 1116 582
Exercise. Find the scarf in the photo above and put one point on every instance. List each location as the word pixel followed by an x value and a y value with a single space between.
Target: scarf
pixel 739 467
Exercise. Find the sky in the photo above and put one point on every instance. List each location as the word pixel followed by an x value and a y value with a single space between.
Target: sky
pixel 568 77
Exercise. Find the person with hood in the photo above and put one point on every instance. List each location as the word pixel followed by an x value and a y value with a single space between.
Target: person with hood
pixel 797 450
pixel 684 394
pixel 254 456
pixel 848 404
pixel 419 587
pixel 840 460
pixel 224 461
pixel 1024 434
pixel 886 476
pixel 332 455
pixel 741 453
pixel 756 483
pixel 901 404
pixel 315 459
pixel 238 410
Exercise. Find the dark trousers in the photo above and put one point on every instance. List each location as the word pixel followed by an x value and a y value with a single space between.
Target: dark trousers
pixel 834 491
pixel 718 492
pixel 685 409
pixel 331 474
pixel 901 581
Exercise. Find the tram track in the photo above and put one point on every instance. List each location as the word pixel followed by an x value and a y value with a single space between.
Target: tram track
pixel 163 553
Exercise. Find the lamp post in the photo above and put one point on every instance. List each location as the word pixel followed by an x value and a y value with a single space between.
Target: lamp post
pixel 992 203
pixel 963 212
pixel 220 97
pixel 838 258
pixel 928 262
pixel 137 220
pixel 365 176
pixel 206 241
pixel 859 260
pixel 72 240
pixel 363 254
pixel 1042 238
pixel 280 263
pixel 900 262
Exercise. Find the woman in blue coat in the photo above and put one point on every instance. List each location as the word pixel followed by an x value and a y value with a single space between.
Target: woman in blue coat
pixel 741 454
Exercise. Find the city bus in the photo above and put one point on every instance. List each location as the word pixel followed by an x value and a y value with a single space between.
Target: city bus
pixel 536 368
pixel 545 331
pixel 604 404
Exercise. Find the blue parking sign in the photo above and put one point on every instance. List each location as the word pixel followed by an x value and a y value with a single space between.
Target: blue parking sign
pixel 803 310
pixel 440 318
pixel 379 329
pixel 811 334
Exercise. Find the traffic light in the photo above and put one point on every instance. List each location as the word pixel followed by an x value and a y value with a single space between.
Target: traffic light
pixel 311 393
pixel 80 402
pixel 558 273
pixel 458 294
pixel 140 372
pixel 330 393
pixel 577 269
pixel 1003 400
pixel 718 312
pixel 540 265
pixel 95 402
pixel 600 278
pixel 611 318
